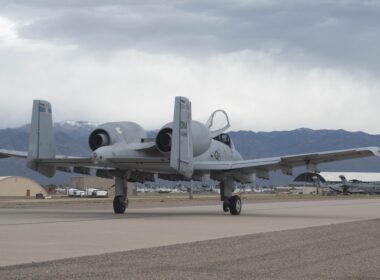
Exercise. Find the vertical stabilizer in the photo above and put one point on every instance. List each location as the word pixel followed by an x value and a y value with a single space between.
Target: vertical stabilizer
pixel 41 139
pixel 343 179
pixel 181 156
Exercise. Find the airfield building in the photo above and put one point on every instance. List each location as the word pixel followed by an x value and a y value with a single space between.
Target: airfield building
pixel 15 186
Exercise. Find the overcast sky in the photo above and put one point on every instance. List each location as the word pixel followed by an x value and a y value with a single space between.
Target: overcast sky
pixel 272 65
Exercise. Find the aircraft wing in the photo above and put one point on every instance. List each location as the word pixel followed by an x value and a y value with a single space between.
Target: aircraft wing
pixel 64 161
pixel 259 166
pixel 134 163
pixel 286 163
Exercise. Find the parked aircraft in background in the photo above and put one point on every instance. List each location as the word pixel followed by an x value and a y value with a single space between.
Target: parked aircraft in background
pixel 184 149
pixel 356 186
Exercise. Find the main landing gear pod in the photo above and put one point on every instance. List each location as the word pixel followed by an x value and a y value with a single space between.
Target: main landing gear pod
pixel 120 201
pixel 231 202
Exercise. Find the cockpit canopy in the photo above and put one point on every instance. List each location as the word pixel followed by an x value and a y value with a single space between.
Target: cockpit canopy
pixel 224 138
pixel 218 123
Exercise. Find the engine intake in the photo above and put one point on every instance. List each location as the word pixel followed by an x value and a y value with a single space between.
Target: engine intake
pixel 98 138
pixel 201 138
pixel 116 132
pixel 164 140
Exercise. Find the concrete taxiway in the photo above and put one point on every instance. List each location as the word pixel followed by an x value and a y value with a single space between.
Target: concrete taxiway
pixel 340 251
pixel 35 235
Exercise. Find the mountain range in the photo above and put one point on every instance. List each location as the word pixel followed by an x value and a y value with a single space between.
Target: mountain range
pixel 71 138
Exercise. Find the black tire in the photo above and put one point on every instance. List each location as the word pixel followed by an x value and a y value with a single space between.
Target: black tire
pixel 226 207
pixel 120 203
pixel 235 205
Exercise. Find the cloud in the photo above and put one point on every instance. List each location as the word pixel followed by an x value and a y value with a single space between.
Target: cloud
pixel 272 65
pixel 330 32
pixel 7 32
pixel 258 90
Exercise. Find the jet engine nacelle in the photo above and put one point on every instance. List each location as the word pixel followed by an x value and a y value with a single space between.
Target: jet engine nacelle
pixel 201 138
pixel 114 132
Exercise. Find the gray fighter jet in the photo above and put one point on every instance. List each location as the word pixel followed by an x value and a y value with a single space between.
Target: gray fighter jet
pixel 183 149
pixel 356 186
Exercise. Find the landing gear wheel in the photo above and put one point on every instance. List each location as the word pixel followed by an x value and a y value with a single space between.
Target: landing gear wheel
pixel 226 207
pixel 119 204
pixel 235 205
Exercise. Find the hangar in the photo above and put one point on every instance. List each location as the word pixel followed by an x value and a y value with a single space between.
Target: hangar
pixel 15 186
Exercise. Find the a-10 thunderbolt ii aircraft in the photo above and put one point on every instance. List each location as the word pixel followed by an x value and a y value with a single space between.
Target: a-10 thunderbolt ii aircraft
pixel 356 186
pixel 183 149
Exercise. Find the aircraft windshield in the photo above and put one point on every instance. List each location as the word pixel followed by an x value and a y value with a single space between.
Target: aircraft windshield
pixel 224 138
